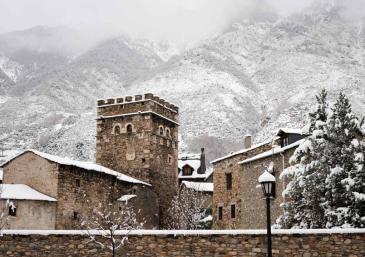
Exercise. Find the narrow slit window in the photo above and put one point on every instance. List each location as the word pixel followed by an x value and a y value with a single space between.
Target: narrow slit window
pixel 220 212
pixel 229 181
pixel 233 211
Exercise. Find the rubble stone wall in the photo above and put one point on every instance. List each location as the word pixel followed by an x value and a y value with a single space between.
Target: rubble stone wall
pixel 168 245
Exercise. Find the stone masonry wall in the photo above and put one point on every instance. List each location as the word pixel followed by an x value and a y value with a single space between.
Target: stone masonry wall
pixel 224 197
pixel 169 245
pixel 253 210
pixel 34 171
pixel 82 190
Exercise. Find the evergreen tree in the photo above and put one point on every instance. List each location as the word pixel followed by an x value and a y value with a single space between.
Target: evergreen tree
pixel 343 126
pixel 304 206
pixel 356 185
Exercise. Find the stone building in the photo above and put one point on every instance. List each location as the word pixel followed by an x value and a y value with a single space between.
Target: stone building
pixel 237 196
pixel 139 135
pixel 192 167
pixel 50 192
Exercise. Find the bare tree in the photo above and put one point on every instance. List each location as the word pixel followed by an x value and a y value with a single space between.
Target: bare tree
pixel 111 223
pixel 187 210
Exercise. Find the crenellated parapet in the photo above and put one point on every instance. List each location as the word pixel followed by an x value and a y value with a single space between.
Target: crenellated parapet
pixel 136 104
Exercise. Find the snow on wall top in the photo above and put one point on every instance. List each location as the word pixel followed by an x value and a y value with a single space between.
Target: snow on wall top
pixel 189 232
pixel 83 165
pixel 273 151
pixel 199 186
pixel 22 192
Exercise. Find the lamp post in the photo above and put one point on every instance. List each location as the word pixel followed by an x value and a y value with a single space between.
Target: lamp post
pixel 267 182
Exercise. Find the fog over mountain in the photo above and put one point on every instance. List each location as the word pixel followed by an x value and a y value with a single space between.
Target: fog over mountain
pixel 242 67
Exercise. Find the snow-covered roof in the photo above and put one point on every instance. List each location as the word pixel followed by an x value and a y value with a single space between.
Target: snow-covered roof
pixel 189 156
pixel 83 165
pixel 273 151
pixel 290 131
pixel 126 198
pixel 195 164
pixel 199 186
pixel 207 218
pixel 241 151
pixel 22 192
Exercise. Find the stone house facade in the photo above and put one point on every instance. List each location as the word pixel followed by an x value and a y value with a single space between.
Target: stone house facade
pixel 238 198
pixel 76 189
pixel 139 135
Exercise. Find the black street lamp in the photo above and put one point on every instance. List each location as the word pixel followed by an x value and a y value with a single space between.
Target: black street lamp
pixel 267 182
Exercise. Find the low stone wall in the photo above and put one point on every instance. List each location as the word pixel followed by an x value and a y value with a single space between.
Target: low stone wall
pixel 286 243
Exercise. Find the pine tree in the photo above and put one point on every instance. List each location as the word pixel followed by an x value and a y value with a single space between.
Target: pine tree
pixel 342 127
pixel 305 190
pixel 356 185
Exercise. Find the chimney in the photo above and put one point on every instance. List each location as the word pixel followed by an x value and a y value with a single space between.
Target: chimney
pixel 247 141
pixel 203 167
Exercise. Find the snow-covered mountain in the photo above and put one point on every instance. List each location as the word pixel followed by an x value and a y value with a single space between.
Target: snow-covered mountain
pixel 255 77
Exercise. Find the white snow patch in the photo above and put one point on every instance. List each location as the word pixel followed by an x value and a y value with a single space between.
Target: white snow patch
pixel 22 192
pixel 199 186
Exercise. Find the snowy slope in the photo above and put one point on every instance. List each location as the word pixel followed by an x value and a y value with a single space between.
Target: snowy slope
pixel 254 78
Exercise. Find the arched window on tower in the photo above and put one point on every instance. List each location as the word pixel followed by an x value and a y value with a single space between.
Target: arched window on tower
pixel 168 132
pixel 161 131
pixel 129 128
pixel 116 129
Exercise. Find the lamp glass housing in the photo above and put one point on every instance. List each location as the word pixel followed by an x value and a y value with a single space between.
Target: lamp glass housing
pixel 267 188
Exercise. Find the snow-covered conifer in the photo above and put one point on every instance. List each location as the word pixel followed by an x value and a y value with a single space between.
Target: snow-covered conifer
pixel 305 191
pixel 343 127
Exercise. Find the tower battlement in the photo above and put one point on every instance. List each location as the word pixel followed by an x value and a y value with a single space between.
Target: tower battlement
pixel 138 103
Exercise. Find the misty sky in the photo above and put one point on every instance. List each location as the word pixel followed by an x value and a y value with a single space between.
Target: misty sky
pixel 179 20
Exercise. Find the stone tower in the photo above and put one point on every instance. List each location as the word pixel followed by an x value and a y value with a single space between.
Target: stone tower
pixel 138 136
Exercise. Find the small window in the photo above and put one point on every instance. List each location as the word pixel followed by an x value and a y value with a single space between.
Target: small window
pixel 161 131
pixel 129 128
pixel 75 215
pixel 168 133
pixel 169 159
pixel 12 210
pixel 78 183
pixel 229 181
pixel 220 212
pixel 117 130
pixel 143 160
pixel 285 141
pixel 187 170
pixel 233 211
